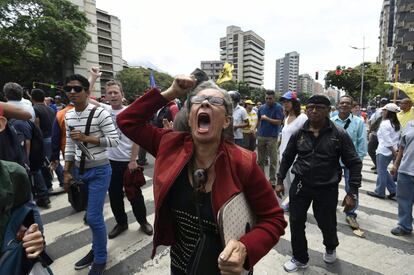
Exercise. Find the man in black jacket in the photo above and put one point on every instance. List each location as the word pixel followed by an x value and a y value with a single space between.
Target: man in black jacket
pixel 317 148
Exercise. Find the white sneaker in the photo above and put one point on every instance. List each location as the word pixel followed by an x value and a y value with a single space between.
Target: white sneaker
pixel 329 256
pixel 293 265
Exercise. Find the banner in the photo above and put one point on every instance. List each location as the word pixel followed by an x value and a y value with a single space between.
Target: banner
pixel 407 88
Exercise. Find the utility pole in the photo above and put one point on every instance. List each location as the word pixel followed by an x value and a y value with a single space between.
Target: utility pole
pixel 362 66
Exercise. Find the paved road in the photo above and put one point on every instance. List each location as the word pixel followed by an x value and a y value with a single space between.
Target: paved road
pixel 380 252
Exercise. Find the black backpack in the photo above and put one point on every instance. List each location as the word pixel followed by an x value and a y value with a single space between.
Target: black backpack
pixel 37 157
pixel 12 146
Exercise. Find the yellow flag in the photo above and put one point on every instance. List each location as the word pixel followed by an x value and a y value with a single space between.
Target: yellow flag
pixel 407 88
pixel 226 74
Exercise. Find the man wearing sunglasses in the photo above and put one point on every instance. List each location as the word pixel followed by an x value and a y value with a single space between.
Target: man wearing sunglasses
pixel 315 151
pixel 97 172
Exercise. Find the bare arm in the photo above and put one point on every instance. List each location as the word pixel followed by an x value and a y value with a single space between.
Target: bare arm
pixel 11 111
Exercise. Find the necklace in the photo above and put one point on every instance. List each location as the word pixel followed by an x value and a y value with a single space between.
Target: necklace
pixel 79 114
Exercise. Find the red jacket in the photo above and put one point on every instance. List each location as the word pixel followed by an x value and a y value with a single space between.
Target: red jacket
pixel 174 149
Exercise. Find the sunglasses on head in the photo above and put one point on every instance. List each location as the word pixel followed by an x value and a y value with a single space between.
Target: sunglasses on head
pixel 213 100
pixel 77 89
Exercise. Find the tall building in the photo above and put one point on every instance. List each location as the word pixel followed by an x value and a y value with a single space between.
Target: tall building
pixel 317 88
pixel 212 68
pixel 305 83
pixel 245 50
pixel 397 39
pixel 104 50
pixel 287 72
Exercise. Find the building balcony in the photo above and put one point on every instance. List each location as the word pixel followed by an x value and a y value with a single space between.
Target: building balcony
pixel 106 67
pixel 104 34
pixel 104 42
pixel 103 17
pixel 103 25
pixel 253 75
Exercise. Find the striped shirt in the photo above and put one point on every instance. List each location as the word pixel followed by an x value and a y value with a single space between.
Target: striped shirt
pixel 102 127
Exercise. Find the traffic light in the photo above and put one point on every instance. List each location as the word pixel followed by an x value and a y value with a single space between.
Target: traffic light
pixel 316 75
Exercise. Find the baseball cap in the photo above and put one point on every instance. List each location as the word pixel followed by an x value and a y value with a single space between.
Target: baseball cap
pixel 249 102
pixel 391 107
pixel 289 95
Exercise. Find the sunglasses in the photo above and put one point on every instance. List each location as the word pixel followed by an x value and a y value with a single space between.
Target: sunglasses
pixel 312 107
pixel 213 100
pixel 77 89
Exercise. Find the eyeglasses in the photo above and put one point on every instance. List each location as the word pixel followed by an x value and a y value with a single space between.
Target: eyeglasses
pixel 318 108
pixel 213 100
pixel 77 89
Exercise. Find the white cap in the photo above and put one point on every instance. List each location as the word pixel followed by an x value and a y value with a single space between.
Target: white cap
pixel 391 107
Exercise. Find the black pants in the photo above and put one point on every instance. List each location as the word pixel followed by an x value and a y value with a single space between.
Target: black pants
pixel 372 147
pixel 324 201
pixel 116 196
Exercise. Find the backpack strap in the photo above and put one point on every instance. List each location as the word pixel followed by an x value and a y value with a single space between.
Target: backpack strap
pixel 87 129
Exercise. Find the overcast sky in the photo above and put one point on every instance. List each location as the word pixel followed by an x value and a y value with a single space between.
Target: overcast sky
pixel 176 35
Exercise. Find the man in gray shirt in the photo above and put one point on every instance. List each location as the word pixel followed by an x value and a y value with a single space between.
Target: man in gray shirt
pixel 404 165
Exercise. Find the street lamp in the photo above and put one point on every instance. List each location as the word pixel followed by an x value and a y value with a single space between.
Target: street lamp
pixel 362 66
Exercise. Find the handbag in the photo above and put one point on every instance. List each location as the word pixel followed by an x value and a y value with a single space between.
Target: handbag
pixel 133 181
pixel 78 190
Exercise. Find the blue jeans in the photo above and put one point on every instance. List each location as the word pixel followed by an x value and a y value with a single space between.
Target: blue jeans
pixel 405 199
pixel 47 150
pixel 98 179
pixel 384 178
pixel 346 176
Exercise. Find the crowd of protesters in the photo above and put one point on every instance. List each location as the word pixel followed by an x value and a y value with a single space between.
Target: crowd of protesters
pixel 215 132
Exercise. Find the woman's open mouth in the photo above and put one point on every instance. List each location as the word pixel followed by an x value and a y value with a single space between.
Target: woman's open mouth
pixel 203 121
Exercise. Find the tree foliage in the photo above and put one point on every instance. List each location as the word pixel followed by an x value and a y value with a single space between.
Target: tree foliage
pixel 39 39
pixel 349 79
pixel 136 80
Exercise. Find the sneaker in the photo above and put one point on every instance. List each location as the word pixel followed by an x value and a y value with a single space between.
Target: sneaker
pixel 97 269
pixel 399 231
pixel 85 261
pixel 351 220
pixel 293 265
pixel 329 256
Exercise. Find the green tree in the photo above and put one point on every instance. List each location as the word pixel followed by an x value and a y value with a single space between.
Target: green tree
pixel 40 39
pixel 350 80
pixel 135 81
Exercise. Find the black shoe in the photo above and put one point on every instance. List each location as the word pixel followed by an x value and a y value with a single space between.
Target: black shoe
pixel 373 194
pixel 85 261
pixel 147 228
pixel 392 196
pixel 43 202
pixel 97 269
pixel 118 229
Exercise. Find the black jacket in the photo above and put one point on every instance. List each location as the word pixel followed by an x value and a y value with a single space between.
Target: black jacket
pixel 317 162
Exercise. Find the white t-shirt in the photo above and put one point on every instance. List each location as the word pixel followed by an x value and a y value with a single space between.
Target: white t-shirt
pixel 239 116
pixel 289 129
pixel 124 149
pixel 387 137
